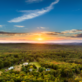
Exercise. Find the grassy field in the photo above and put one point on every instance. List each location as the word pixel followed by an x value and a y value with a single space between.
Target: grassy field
pixel 36 64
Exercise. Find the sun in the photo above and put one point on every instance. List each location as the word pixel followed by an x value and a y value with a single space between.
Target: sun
pixel 40 39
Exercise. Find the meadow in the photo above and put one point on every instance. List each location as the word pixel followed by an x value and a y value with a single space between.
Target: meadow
pixel 50 63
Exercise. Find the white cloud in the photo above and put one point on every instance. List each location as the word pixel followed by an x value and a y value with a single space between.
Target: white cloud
pixel 72 31
pixel 18 26
pixel 34 13
pixel 1 26
pixel 30 1
pixel 41 27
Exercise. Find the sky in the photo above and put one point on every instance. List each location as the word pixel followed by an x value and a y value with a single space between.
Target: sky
pixel 40 20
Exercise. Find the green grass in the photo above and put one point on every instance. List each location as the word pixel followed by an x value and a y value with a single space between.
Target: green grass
pixel 36 64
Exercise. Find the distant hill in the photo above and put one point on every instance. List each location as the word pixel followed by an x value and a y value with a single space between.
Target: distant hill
pixel 73 43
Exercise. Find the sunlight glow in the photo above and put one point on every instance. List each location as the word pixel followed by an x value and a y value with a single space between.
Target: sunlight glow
pixel 40 39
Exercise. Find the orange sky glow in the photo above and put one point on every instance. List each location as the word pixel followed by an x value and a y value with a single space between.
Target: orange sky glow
pixel 40 37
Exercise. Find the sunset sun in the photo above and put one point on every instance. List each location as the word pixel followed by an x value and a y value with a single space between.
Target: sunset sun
pixel 40 39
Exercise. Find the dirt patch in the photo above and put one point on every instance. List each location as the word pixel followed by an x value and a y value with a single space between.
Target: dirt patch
pixel 1 73
pixel 54 62
pixel 18 67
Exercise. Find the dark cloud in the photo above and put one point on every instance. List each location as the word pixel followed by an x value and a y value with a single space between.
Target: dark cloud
pixel 79 35
pixel 76 36
pixel 52 33
pixel 46 32
pixel 10 33
pixel 64 32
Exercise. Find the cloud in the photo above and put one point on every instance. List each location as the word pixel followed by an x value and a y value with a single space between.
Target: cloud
pixel 30 1
pixel 35 13
pixel 52 33
pixel 41 27
pixel 18 26
pixel 65 33
pixel 77 36
pixel 10 33
pixel 72 31
pixel 1 26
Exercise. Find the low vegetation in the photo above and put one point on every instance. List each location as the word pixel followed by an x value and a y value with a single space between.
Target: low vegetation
pixel 47 63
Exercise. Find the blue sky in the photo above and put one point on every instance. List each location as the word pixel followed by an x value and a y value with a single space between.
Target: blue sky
pixel 28 16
